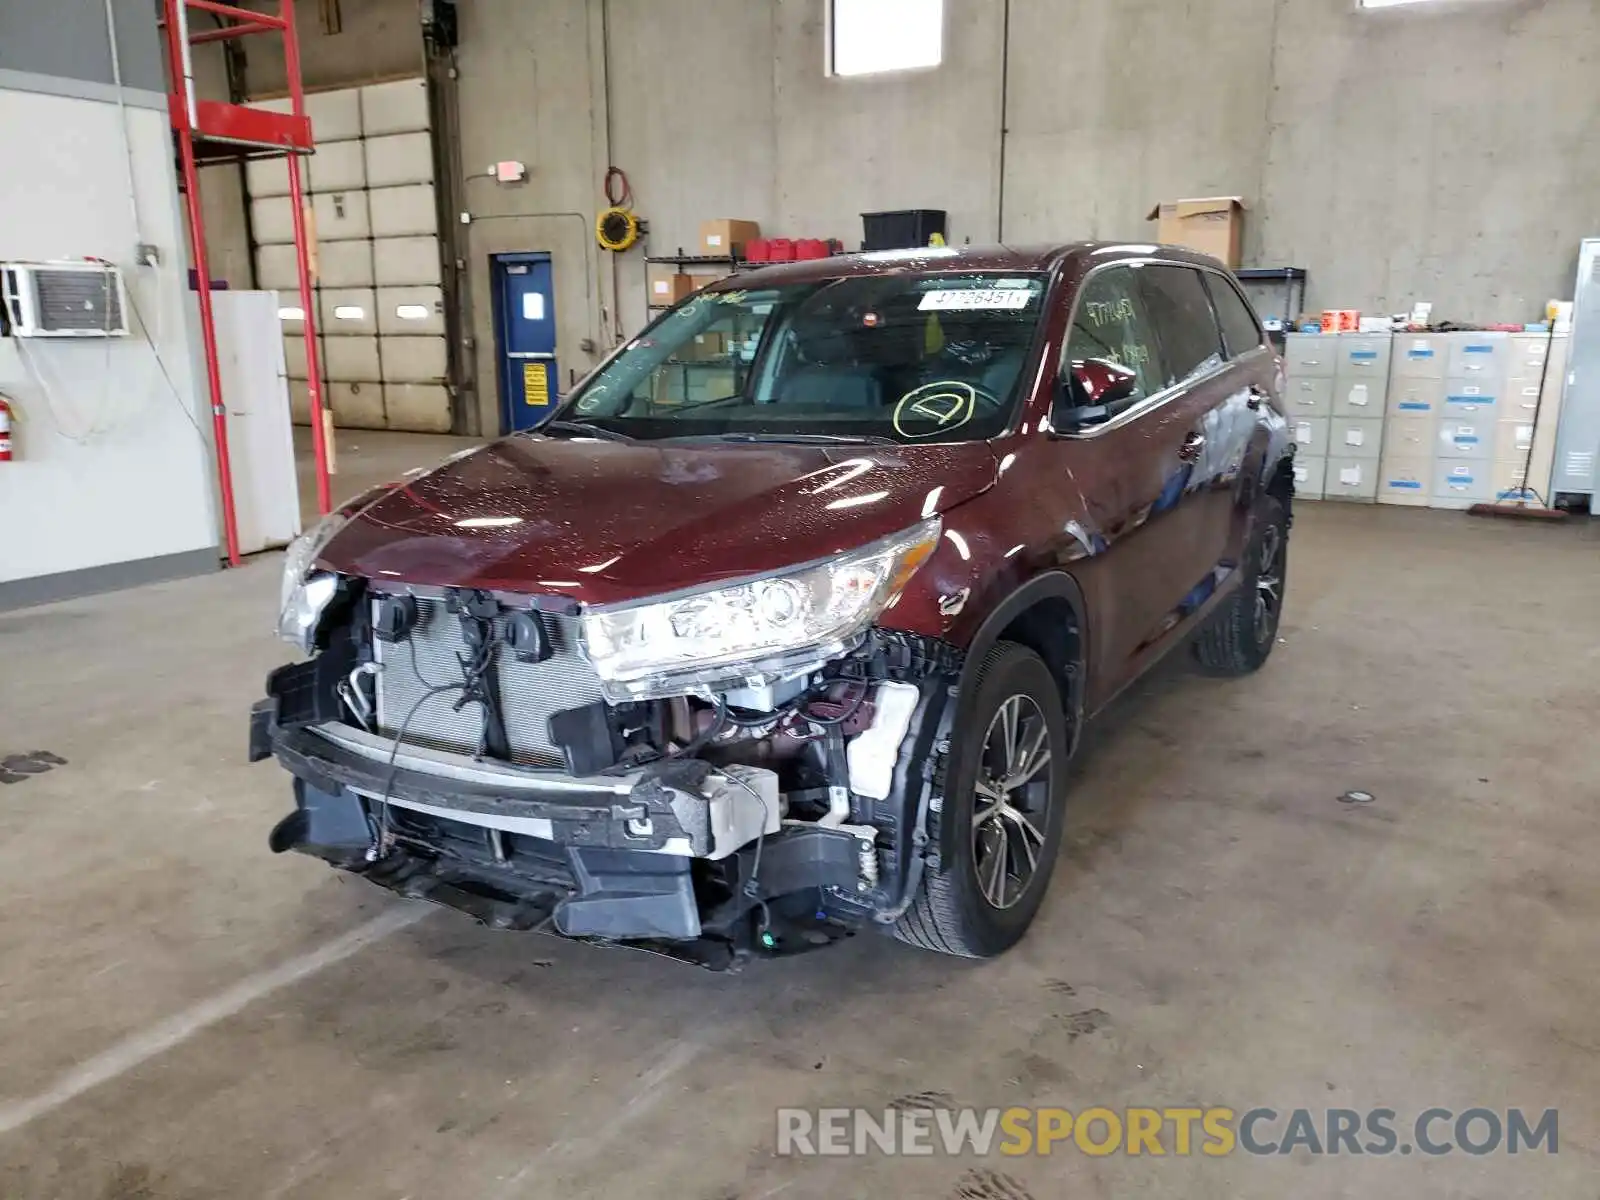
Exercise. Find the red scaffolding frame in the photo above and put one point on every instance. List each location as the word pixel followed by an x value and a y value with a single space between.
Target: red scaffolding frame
pixel 210 131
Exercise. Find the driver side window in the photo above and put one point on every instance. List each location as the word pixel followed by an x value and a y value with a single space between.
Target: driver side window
pixel 1110 323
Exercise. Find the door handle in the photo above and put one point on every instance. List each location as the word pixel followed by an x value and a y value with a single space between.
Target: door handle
pixel 1192 445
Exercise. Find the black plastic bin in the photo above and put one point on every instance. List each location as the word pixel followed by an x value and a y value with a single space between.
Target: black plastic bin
pixel 901 230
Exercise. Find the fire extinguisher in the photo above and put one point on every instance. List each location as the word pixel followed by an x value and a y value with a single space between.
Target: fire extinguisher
pixel 5 430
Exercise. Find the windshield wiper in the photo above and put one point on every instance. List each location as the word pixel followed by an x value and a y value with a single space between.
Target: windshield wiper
pixel 581 429
pixel 804 439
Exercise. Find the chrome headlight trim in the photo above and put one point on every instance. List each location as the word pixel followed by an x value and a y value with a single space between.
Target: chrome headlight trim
pixel 759 629
pixel 305 592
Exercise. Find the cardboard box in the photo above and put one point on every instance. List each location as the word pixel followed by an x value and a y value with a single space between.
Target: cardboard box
pixel 1213 225
pixel 692 383
pixel 704 347
pixel 668 285
pixel 724 237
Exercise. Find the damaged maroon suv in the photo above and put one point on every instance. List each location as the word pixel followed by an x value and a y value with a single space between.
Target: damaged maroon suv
pixel 788 623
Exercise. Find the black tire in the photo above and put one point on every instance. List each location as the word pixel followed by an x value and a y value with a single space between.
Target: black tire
pixel 952 913
pixel 1239 637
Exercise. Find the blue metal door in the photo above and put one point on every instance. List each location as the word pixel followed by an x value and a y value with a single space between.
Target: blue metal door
pixel 525 339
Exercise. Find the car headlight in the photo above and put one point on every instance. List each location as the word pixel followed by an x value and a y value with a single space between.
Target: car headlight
pixel 306 592
pixel 774 627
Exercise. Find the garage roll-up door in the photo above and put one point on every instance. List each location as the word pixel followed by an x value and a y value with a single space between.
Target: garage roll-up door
pixel 380 310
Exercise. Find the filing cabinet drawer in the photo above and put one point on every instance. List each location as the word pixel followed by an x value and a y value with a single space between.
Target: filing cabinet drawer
pixel 1526 354
pixel 1363 356
pixel 1405 479
pixel 1354 438
pixel 1519 401
pixel 1419 356
pixel 1465 438
pixel 1508 481
pixel 1463 398
pixel 1512 440
pixel 1308 474
pixel 1351 479
pixel 1460 484
pixel 1310 436
pixel 1415 397
pixel 1478 355
pixel 1312 397
pixel 1359 397
pixel 1410 437
pixel 1310 354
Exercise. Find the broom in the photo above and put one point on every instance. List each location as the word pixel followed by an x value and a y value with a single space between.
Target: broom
pixel 1526 502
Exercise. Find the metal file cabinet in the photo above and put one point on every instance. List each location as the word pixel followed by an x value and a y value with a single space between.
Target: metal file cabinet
pixel 1309 355
pixel 1466 437
pixel 1361 376
pixel 1308 476
pixel 1309 397
pixel 1411 418
pixel 1405 479
pixel 1529 415
pixel 1418 356
pixel 1478 356
pixel 1351 478
pixel 1310 436
pixel 1460 483
pixel 1409 437
pixel 1415 397
pixel 1354 437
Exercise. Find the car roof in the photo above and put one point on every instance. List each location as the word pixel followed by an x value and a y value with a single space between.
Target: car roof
pixel 957 260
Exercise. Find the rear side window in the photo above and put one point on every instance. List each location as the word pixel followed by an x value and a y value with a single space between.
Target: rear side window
pixel 1110 323
pixel 1241 333
pixel 1185 325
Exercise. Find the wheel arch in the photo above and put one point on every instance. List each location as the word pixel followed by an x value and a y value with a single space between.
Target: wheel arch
pixel 1049 616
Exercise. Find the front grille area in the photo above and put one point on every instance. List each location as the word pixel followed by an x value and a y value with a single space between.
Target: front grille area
pixel 529 692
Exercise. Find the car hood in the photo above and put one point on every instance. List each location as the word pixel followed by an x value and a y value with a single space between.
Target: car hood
pixel 607 522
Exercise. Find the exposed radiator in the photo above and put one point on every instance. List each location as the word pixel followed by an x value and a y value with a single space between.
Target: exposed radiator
pixel 529 692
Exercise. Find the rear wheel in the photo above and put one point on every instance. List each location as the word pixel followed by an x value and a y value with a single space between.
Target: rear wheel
pixel 1240 635
pixel 1003 799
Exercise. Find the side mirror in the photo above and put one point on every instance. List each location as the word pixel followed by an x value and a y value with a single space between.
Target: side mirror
pixel 1091 392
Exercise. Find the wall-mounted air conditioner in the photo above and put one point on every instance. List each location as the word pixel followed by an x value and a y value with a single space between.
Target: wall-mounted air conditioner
pixel 63 299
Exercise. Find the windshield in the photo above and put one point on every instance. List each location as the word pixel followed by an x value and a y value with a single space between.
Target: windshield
pixel 903 357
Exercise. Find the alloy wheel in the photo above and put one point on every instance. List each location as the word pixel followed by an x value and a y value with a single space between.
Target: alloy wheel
pixel 1269 584
pixel 1010 812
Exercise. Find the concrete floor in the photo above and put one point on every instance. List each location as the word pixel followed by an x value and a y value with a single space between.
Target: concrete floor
pixel 184 1015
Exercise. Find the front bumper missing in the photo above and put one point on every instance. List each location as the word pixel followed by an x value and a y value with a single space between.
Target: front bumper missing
pixel 618 858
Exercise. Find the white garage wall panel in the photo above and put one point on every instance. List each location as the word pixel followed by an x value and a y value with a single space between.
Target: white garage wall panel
pixel 380 311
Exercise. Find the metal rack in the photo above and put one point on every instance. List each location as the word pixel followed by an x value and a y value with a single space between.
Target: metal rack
pixel 1291 279
pixel 208 132
pixel 680 259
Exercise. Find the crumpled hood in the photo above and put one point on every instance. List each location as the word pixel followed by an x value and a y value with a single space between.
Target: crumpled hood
pixel 605 522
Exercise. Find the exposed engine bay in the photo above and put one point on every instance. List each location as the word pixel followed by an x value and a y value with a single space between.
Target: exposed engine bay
pixel 458 745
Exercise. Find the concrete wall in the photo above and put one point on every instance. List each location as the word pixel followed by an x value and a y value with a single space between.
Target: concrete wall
pixel 1443 153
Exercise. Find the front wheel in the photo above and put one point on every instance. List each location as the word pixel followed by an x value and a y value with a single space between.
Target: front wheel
pixel 1003 800
pixel 1240 635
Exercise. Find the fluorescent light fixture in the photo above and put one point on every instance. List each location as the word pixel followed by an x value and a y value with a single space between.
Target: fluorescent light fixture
pixel 488 522
pixel 1391 3
pixel 869 36
pixel 291 314
pixel 412 312
pixel 349 312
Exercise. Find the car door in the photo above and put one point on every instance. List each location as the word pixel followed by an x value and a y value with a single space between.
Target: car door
pixel 1154 540
pixel 1217 397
